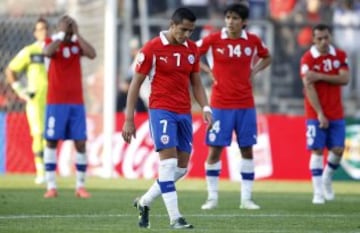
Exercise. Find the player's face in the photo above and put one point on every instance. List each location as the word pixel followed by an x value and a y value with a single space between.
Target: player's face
pixel 234 23
pixel 321 40
pixel 181 32
pixel 40 31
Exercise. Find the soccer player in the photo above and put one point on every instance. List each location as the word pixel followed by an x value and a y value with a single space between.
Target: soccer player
pixel 65 110
pixel 31 61
pixel 324 70
pixel 233 51
pixel 171 61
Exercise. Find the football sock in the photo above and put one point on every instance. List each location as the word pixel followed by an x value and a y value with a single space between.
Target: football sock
pixel 212 179
pixel 247 178
pixel 316 168
pixel 81 165
pixel 167 186
pixel 50 167
pixel 154 191
pixel 333 162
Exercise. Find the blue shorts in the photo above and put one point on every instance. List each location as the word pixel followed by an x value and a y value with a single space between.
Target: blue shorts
pixel 65 121
pixel 317 138
pixel 242 121
pixel 169 129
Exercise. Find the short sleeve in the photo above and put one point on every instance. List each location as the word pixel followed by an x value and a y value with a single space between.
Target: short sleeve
pixel 144 60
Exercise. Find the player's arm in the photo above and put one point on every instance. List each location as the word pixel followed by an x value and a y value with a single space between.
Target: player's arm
pixel 261 65
pixel 313 98
pixel 17 65
pixel 87 49
pixel 207 70
pixel 337 79
pixel 129 129
pixel 200 96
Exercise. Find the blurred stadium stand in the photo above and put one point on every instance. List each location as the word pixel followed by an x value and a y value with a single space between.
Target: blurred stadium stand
pixel 284 28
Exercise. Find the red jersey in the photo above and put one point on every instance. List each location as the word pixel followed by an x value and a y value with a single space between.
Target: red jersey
pixel 329 94
pixel 232 61
pixel 168 67
pixel 64 75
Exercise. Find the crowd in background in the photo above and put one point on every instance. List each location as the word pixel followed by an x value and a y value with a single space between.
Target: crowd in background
pixel 291 20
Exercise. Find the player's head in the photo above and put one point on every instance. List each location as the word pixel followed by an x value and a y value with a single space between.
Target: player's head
pixel 321 37
pixel 236 16
pixel 66 24
pixel 182 25
pixel 40 29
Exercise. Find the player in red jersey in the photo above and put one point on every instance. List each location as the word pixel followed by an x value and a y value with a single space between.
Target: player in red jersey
pixel 233 54
pixel 65 110
pixel 324 70
pixel 171 61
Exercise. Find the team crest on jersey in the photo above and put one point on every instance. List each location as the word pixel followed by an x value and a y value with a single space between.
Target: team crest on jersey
pixel 165 139
pixel 191 59
pixel 140 58
pixel 75 49
pixel 248 51
pixel 336 64
pixel 304 68
pixel 212 137
pixel 66 52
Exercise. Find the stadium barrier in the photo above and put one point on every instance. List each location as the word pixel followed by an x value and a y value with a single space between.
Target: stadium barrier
pixel 280 153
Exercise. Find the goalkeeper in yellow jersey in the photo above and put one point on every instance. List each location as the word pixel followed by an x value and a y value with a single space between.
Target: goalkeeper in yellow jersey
pixel 30 60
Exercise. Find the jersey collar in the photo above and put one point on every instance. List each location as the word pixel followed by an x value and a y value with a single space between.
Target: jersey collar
pixel 165 41
pixel 315 53
pixel 224 34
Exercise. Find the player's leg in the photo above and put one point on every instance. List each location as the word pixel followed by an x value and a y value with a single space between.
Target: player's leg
pixel 246 131
pixel 336 143
pixel 315 137
pixel 55 125
pixel 35 119
pixel 77 132
pixel 217 137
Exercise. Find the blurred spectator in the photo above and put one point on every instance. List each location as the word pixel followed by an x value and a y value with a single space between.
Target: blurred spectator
pixel 346 35
pixel 122 95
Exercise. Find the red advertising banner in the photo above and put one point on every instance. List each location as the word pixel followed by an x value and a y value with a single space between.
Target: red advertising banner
pixel 280 153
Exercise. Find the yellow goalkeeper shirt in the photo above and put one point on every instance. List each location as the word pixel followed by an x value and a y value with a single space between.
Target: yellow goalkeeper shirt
pixel 31 61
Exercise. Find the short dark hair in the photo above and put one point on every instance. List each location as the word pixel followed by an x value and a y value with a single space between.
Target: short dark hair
pixel 321 27
pixel 240 9
pixel 183 13
pixel 41 20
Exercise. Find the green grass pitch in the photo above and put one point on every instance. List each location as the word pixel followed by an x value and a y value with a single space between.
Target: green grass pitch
pixel 286 208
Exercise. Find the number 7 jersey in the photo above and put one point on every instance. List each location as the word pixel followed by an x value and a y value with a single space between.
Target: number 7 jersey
pixel 169 68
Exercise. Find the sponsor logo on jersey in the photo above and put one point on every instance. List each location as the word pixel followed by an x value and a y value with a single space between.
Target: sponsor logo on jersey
pixel 140 58
pixel 248 51
pixel 191 59
pixel 164 59
pixel 219 50
pixel 75 49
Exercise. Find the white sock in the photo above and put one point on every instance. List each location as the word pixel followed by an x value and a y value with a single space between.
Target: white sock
pixel 316 168
pixel 154 191
pixel 50 167
pixel 167 186
pixel 212 179
pixel 81 165
pixel 332 164
pixel 247 178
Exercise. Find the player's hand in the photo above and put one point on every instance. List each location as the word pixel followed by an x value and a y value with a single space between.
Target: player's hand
pixel 128 130
pixel 74 27
pixel 323 121
pixel 207 115
pixel 64 24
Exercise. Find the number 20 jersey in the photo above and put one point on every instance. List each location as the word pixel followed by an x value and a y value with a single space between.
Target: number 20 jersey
pixel 329 94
